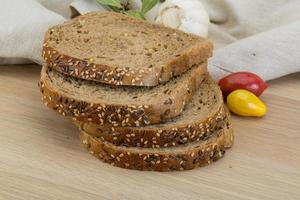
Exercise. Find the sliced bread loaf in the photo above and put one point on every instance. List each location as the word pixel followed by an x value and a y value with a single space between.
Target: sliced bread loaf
pixel 113 48
pixel 201 117
pixel 162 159
pixel 119 106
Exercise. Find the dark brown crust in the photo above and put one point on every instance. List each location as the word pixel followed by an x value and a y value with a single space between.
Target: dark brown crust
pixel 154 137
pixel 176 158
pixel 118 115
pixel 88 70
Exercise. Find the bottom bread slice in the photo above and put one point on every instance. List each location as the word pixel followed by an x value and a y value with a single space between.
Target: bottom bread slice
pixel 184 157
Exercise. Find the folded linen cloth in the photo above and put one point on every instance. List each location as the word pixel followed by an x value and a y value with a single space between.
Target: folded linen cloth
pixel 259 35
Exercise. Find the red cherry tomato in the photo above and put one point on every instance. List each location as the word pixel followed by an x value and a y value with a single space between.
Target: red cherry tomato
pixel 242 80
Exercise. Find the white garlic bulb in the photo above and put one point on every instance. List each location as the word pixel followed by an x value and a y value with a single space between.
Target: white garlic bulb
pixel 187 15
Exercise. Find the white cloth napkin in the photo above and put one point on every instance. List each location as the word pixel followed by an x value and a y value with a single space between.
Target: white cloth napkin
pixel 261 36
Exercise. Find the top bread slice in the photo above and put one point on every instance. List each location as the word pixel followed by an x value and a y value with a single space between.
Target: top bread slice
pixel 123 106
pixel 113 48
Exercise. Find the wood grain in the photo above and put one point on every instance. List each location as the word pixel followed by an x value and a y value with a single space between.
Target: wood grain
pixel 41 157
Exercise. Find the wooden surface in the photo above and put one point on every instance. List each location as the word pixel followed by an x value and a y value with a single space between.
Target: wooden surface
pixel 41 158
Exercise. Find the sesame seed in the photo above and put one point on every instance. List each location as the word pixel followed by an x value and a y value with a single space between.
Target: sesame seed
pixel 220 154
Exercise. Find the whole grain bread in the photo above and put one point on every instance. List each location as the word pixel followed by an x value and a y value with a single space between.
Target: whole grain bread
pixel 85 100
pixel 113 48
pixel 201 117
pixel 162 159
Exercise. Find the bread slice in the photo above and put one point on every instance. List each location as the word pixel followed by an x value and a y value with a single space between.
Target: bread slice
pixel 183 157
pixel 157 136
pixel 119 106
pixel 113 48
pixel 201 117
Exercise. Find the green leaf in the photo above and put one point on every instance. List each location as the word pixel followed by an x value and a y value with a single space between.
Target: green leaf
pixel 148 5
pixel 113 3
pixel 115 9
pixel 135 14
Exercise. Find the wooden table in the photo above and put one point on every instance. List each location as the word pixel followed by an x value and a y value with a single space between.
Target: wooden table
pixel 41 157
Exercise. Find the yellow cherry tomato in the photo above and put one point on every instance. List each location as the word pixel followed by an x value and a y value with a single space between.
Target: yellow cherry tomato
pixel 245 103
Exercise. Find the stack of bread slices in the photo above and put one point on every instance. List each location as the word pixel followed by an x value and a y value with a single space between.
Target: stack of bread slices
pixel 139 93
